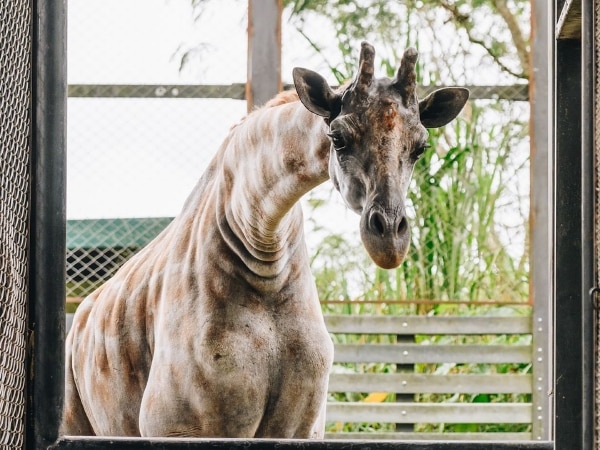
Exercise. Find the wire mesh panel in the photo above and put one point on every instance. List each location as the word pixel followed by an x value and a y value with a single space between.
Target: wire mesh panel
pixel 15 126
pixel 136 149
pixel 96 248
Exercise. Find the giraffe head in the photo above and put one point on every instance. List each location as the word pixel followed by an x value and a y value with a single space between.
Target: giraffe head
pixel 378 130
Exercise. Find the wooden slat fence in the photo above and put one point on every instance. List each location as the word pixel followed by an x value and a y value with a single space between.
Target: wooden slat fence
pixel 361 356
pixel 353 373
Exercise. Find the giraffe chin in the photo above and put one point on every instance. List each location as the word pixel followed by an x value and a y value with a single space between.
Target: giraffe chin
pixel 387 253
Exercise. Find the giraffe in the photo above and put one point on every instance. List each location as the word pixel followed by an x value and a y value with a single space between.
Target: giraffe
pixel 214 329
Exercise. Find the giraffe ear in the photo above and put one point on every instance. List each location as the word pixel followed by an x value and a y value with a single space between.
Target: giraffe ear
pixel 315 94
pixel 442 106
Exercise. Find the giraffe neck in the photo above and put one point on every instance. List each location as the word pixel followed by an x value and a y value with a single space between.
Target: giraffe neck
pixel 272 158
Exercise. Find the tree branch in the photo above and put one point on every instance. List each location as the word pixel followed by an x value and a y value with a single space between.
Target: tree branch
pixel 516 33
pixel 338 75
pixel 465 22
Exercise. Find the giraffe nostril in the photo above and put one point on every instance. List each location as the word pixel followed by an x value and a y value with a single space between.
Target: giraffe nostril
pixel 381 224
pixel 402 226
pixel 377 222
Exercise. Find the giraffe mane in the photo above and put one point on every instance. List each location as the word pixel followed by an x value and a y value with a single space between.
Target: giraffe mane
pixel 281 98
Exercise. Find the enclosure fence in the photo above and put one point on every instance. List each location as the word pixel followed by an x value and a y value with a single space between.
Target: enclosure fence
pixel 20 304
pixel 15 131
pixel 97 247
pixel 152 153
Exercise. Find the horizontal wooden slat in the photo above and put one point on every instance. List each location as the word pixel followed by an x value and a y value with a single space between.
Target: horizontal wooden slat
pixel 408 436
pixel 412 383
pixel 415 353
pixel 427 325
pixel 354 412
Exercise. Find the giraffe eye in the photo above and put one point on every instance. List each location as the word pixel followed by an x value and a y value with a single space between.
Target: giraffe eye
pixel 417 152
pixel 337 140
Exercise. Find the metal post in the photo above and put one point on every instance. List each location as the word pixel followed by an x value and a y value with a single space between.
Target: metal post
pixel 540 224
pixel 572 318
pixel 408 369
pixel 47 224
pixel 588 264
pixel 264 51
pixel 567 247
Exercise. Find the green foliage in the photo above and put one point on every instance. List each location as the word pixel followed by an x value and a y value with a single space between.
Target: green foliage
pixel 457 192
pixel 464 186
pixel 337 271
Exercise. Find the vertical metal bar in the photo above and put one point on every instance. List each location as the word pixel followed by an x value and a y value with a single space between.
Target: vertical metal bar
pixel 47 224
pixel 596 250
pixel 264 51
pixel 587 220
pixel 568 312
pixel 405 368
pixel 540 224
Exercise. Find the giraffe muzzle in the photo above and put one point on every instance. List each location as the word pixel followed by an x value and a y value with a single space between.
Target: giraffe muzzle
pixel 385 235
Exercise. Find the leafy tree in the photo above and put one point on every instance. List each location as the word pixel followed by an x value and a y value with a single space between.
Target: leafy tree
pixel 491 31
pixel 471 180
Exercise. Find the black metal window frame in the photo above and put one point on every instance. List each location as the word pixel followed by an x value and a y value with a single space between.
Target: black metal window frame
pixel 573 409
pixel 572 105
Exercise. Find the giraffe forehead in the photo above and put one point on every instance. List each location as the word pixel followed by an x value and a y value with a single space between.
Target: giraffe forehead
pixel 382 114
pixel 389 117
pixel 383 102
pixel 388 123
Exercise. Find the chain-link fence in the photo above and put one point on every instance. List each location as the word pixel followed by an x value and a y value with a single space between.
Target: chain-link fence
pixel 132 159
pixel 139 139
pixel 15 129
pixel 136 149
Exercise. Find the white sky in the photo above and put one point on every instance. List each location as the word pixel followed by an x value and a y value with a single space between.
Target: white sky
pixel 136 41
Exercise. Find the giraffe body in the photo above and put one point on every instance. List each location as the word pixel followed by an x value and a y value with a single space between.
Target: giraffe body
pixel 215 328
